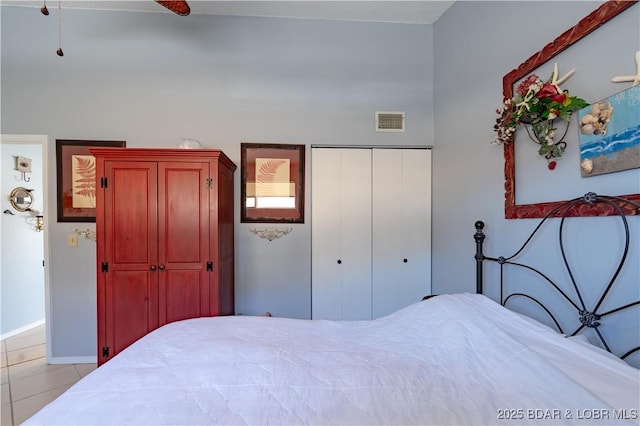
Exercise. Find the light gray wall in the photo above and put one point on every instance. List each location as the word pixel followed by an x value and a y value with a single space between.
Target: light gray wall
pixel 151 79
pixel 22 247
pixel 475 45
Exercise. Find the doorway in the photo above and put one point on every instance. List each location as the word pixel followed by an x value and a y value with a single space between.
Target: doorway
pixel 24 254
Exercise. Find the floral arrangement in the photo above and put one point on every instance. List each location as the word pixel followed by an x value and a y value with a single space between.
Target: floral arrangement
pixel 538 103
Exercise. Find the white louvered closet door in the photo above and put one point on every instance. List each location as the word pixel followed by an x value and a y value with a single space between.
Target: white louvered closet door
pixel 401 206
pixel 341 234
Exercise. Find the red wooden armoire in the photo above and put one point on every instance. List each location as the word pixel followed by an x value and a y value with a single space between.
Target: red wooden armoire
pixel 164 223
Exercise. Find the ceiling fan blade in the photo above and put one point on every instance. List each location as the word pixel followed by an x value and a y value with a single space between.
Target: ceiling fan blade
pixel 177 6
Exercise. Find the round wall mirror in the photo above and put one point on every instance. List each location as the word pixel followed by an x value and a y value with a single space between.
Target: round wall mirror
pixel 21 199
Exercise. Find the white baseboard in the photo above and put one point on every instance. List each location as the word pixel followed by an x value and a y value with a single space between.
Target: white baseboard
pixel 51 360
pixel 22 329
pixel 73 360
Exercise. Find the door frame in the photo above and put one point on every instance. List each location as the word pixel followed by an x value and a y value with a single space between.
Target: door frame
pixel 43 141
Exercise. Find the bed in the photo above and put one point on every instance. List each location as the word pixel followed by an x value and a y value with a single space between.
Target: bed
pixel 451 359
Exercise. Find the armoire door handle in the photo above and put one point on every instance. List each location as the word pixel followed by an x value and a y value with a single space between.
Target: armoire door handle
pixel 152 267
pixel 161 267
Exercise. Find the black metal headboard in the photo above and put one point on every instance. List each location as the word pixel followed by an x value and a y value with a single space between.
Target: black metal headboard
pixel 589 316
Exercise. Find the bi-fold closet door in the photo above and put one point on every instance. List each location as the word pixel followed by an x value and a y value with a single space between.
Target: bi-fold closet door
pixel 371 230
pixel 341 233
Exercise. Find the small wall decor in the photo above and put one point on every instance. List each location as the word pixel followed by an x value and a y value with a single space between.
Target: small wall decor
pixel 634 79
pixel 87 233
pixel 23 165
pixel 270 234
pixel 21 199
pixel 610 134
pixel 538 106
pixel 272 187
pixel 75 171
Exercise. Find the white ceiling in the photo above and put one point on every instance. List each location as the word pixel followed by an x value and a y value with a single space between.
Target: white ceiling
pixel 397 11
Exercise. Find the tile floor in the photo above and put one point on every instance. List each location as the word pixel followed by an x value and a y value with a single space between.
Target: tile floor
pixel 28 382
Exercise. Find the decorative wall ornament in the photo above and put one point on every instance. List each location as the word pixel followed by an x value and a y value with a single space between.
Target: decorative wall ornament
pixel 87 233
pixel 21 199
pixel 23 165
pixel 635 79
pixel 270 234
pixel 537 106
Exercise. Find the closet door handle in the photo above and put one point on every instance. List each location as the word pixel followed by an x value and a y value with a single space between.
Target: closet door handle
pixel 339 261
pixel 152 267
pixel 161 267
pixel 405 260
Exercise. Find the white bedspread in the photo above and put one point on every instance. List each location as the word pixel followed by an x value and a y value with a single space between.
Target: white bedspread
pixel 453 359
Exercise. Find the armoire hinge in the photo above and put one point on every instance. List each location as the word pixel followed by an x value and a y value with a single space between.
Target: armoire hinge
pixel 209 183
pixel 105 351
pixel 103 182
pixel 209 266
pixel 105 266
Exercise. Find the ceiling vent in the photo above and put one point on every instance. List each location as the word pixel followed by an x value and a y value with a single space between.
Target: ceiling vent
pixel 389 121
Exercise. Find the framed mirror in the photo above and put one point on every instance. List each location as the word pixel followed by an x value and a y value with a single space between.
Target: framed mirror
pixel 587 25
pixel 21 199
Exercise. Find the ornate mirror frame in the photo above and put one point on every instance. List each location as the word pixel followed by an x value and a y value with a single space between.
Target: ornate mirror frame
pixel 591 22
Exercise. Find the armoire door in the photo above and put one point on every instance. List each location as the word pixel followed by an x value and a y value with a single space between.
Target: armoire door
pixel 130 263
pixel 165 231
pixel 341 233
pixel 401 212
pixel 183 240
pixel 157 217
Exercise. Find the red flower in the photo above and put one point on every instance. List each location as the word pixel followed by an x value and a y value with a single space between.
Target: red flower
pixel 559 98
pixel 551 165
pixel 523 87
pixel 549 91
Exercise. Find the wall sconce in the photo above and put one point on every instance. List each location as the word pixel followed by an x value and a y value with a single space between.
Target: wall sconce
pixel 39 223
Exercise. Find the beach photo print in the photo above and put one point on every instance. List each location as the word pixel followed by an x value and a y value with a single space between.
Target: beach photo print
pixel 610 134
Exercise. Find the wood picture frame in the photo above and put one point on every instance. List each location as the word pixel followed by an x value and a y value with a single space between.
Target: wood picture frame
pixel 272 183
pixel 588 24
pixel 76 180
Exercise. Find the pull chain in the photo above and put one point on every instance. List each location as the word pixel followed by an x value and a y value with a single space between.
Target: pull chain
pixel 44 9
pixel 59 51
